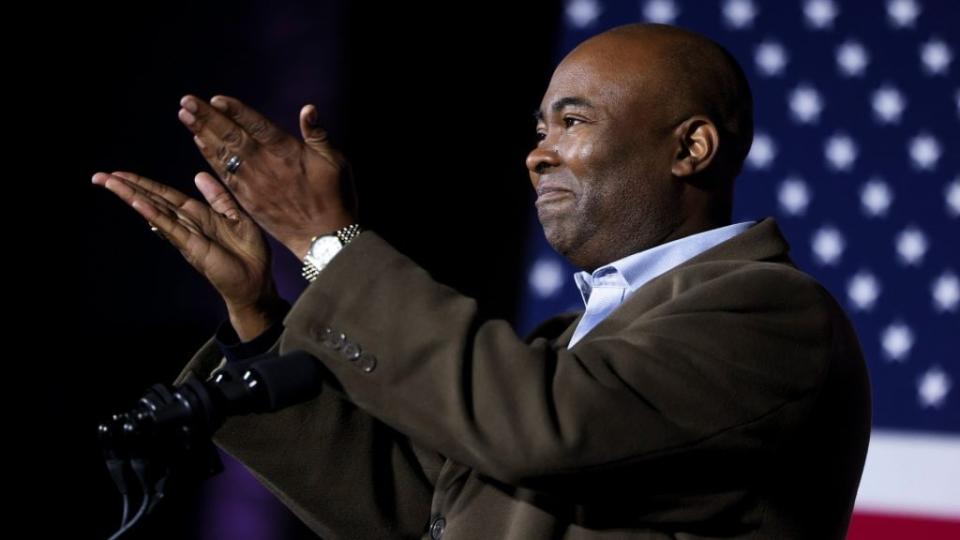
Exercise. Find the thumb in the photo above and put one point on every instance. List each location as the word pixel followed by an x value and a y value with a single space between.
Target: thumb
pixel 217 195
pixel 313 135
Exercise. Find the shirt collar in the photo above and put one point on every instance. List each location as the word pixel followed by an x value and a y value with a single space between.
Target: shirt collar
pixel 633 271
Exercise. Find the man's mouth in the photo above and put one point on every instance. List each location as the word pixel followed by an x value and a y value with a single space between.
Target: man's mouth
pixel 550 190
pixel 548 195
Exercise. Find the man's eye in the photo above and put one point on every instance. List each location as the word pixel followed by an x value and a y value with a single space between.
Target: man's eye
pixel 568 122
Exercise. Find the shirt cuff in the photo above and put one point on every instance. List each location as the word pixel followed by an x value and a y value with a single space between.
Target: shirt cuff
pixel 233 349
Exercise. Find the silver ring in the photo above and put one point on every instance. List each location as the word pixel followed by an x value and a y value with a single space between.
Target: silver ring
pixel 233 164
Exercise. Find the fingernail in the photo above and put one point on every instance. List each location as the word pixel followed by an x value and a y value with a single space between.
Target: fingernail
pixel 186 117
pixel 219 104
pixel 189 104
pixel 199 142
pixel 96 178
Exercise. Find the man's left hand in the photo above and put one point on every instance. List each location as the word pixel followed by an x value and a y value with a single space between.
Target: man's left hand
pixel 294 189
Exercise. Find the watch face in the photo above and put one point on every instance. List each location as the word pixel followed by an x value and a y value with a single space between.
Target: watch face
pixel 324 249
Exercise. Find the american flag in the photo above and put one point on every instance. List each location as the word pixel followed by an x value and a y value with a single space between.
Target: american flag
pixel 856 155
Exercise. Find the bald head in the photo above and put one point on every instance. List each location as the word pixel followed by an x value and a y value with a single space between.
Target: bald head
pixel 691 75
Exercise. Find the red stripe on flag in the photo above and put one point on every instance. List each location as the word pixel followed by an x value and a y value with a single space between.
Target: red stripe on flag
pixel 871 526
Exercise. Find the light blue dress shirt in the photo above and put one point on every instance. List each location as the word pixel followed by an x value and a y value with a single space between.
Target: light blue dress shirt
pixel 608 286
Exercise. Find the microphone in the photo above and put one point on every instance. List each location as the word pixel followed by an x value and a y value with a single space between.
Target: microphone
pixel 278 382
pixel 165 439
pixel 261 384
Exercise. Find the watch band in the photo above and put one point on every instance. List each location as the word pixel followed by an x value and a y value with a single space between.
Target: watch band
pixel 348 233
pixel 344 234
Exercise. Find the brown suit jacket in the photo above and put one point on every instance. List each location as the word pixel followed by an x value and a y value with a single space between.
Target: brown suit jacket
pixel 726 398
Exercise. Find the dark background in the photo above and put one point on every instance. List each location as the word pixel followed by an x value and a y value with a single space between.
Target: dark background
pixel 431 104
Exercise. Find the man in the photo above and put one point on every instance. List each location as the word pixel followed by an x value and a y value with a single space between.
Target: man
pixel 710 390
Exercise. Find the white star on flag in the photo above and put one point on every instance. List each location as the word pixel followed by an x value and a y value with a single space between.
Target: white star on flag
pixel 924 151
pixel 852 58
pixel 952 196
pixel 902 13
pixel 888 104
pixel 660 11
pixel 739 13
pixel 840 152
pixel 820 13
pixel 771 58
pixel 794 195
pixel 933 387
pixel 863 289
pixel 828 245
pixel 897 340
pixel 762 152
pixel 876 197
pixel 945 290
pixel 936 57
pixel 582 13
pixel 806 104
pixel 911 246
pixel 546 277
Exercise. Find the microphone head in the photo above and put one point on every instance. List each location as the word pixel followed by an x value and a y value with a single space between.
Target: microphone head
pixel 285 380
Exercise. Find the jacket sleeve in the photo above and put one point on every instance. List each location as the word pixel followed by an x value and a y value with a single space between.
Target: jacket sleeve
pixel 341 471
pixel 720 364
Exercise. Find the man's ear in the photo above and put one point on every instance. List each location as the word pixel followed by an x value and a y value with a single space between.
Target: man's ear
pixel 698 142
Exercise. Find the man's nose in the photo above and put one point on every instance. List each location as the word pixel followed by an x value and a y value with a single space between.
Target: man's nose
pixel 542 157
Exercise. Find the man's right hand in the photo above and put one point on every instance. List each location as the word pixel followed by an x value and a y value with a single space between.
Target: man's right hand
pixel 220 240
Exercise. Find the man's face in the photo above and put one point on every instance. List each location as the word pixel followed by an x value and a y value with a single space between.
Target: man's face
pixel 601 167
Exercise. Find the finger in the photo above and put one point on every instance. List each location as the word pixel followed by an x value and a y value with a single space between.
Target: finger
pixel 217 158
pixel 167 197
pixel 314 135
pixel 217 195
pixel 174 232
pixel 131 194
pixel 258 126
pixel 168 193
pixel 165 224
pixel 217 131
